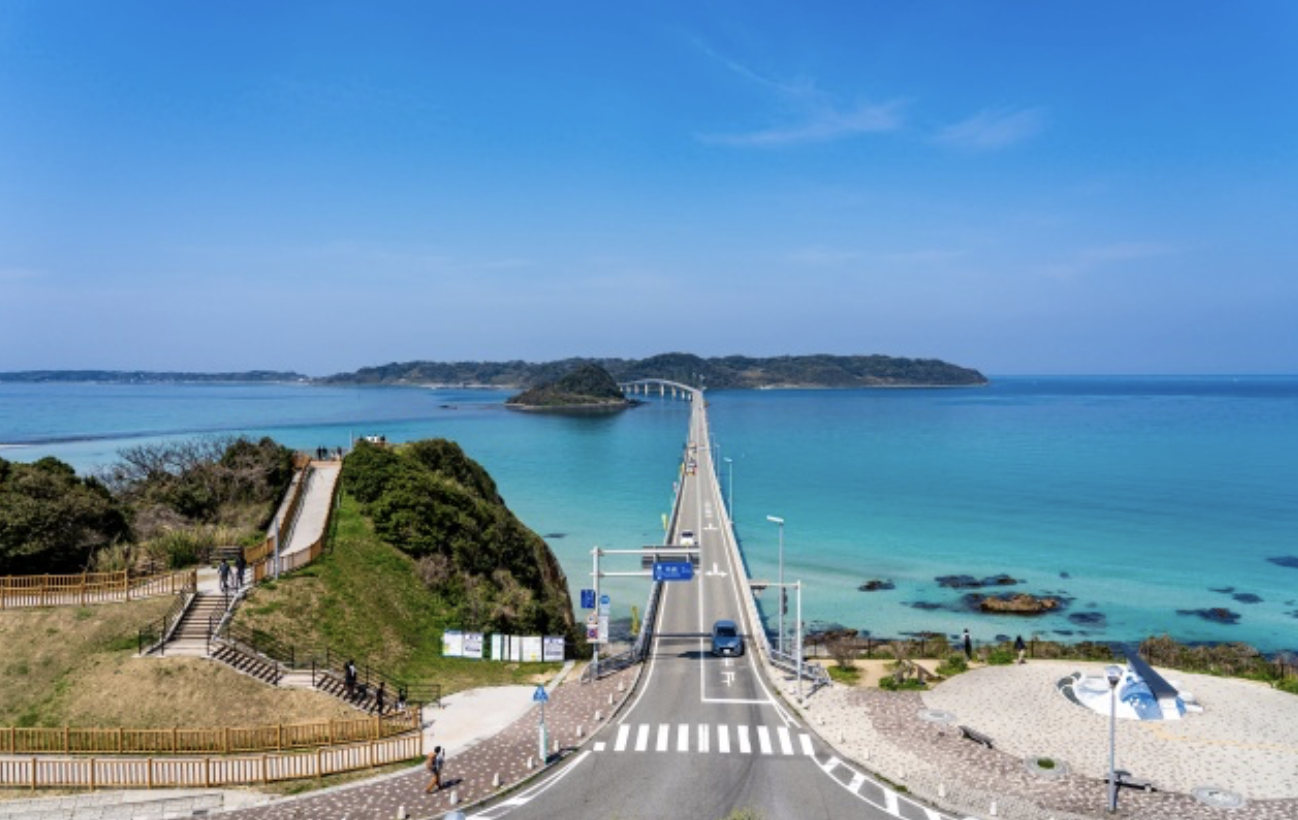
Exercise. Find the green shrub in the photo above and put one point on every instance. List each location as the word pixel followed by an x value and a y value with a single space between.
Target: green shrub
pixel 844 674
pixel 910 685
pixel 1000 657
pixel 954 664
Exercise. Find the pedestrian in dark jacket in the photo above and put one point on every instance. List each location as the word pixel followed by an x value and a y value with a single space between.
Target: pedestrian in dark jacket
pixel 379 697
pixel 349 678
pixel 434 765
pixel 1020 647
pixel 223 572
pixel 968 646
pixel 240 564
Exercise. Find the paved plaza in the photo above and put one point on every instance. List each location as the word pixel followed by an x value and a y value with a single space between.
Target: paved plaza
pixel 1244 744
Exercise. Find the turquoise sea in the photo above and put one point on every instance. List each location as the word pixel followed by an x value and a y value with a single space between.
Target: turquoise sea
pixel 1140 500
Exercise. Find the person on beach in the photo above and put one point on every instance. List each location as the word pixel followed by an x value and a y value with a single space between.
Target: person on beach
pixel 434 765
pixel 1020 647
pixel 968 646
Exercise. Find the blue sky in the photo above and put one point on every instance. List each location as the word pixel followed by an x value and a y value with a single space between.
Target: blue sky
pixel 1021 187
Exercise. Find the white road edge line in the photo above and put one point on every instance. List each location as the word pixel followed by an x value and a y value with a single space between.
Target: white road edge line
pixel 536 790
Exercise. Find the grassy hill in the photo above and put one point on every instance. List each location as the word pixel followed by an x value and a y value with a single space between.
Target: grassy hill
pixel 75 666
pixel 365 599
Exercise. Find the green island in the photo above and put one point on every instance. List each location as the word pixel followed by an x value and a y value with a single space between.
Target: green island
pixel 587 388
pixel 718 373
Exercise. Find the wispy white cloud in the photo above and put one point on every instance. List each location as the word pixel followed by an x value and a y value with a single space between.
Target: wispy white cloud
pixel 808 114
pixel 993 128
pixel 1098 257
pixel 824 124
pixel 823 257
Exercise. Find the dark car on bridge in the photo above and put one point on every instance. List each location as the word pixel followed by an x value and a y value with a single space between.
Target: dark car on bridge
pixel 726 639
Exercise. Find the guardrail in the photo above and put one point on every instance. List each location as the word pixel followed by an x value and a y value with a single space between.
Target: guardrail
pixel 88 588
pixel 813 673
pixel 640 649
pixel 206 740
pixel 204 772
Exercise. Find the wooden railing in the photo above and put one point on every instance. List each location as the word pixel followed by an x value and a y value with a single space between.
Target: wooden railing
pixel 204 772
pixel 89 588
pixel 212 740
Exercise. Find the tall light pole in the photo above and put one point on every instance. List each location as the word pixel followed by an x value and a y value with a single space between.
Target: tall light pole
pixel 783 595
pixel 1114 674
pixel 730 486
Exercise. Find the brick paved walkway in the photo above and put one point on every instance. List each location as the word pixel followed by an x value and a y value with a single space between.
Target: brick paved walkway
pixel 470 772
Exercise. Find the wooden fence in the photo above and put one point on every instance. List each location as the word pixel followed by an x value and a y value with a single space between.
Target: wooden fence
pixel 218 740
pixel 203 772
pixel 89 588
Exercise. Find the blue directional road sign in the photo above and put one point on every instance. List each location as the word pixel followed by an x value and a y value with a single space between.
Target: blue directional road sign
pixel 604 600
pixel 588 599
pixel 540 695
pixel 673 571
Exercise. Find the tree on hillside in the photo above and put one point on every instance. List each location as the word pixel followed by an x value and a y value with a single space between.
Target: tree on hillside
pixel 227 480
pixel 51 520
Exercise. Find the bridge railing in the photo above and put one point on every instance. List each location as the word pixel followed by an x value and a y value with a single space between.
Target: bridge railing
pixel 640 648
pixel 813 673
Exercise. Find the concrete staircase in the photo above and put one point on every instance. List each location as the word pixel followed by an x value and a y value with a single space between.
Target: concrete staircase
pixel 190 636
pixel 249 664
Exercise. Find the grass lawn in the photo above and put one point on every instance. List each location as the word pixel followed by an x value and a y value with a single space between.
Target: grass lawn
pixel 75 666
pixel 364 599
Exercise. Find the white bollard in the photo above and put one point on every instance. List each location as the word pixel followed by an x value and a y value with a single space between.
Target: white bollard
pixel 455 797
pixel 610 698
pixel 941 791
pixel 992 811
pixel 556 745
pixel 495 780
pixel 865 753
pixel 619 686
pixel 401 813
pixel 598 716
pixel 580 730
pixel 529 761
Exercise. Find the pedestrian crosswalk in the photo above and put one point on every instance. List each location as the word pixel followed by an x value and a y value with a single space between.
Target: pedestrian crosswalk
pixel 707 738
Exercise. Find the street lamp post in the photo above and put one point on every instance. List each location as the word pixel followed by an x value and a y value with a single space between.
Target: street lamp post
pixel 730 486
pixel 1114 674
pixel 780 521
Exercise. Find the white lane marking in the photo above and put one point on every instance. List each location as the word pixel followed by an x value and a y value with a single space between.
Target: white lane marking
pixel 931 814
pixel 664 736
pixel 805 740
pixel 541 788
pixel 716 573
pixel 683 737
pixel 723 739
pixel 745 748
pixel 890 801
pixel 703 738
pixel 599 747
pixel 649 673
pixel 829 765
pixel 642 737
pixel 786 745
pixel 728 677
pixel 623 732
pixel 855 785
pixel 764 739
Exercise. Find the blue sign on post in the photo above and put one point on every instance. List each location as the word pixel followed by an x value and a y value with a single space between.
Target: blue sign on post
pixel 588 599
pixel 540 695
pixel 604 600
pixel 673 571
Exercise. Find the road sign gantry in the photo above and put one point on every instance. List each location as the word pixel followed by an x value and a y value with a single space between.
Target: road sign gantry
pixel 691 554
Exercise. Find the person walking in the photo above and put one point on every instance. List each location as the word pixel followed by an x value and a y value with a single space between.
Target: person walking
pixel 379 697
pixel 240 564
pixel 223 572
pixel 1020 647
pixel 434 764
pixel 349 678
pixel 968 646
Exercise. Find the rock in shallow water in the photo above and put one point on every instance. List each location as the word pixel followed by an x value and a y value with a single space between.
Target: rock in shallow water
pixel 1019 604
pixel 876 585
pixel 1217 615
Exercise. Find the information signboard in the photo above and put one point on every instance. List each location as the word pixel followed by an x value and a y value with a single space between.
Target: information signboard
pixel 452 644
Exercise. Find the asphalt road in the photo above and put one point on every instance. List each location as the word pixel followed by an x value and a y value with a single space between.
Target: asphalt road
pixel 703 736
